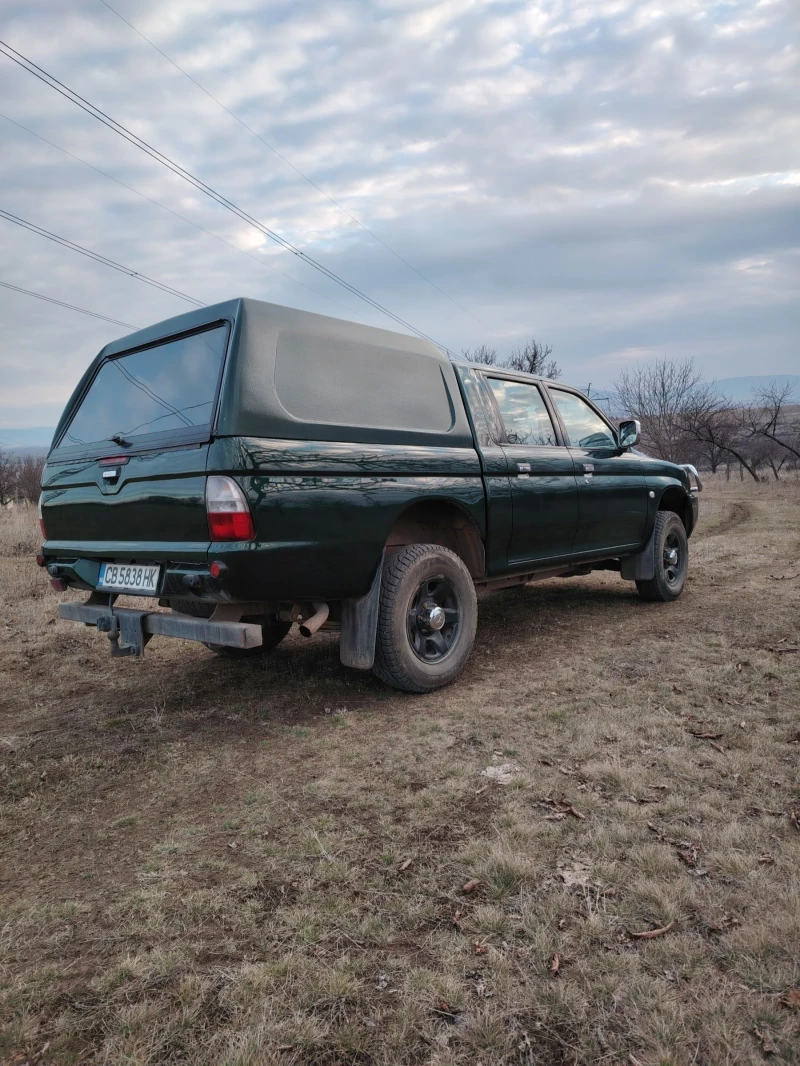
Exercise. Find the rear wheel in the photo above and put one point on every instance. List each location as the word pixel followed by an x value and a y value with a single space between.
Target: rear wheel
pixel 671 560
pixel 427 619
pixel 272 630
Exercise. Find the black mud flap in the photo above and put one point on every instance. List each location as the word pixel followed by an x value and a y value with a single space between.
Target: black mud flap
pixel 360 626
pixel 641 567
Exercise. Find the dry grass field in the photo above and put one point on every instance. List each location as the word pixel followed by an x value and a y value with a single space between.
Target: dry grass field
pixel 285 863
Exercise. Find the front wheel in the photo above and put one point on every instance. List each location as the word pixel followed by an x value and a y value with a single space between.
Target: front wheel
pixel 427 619
pixel 671 560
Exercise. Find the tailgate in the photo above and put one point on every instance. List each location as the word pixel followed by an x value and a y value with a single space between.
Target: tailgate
pixel 148 507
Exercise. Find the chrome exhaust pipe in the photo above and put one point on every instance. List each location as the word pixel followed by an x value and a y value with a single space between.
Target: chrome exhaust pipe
pixel 312 624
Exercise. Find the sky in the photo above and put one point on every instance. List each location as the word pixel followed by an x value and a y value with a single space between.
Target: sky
pixel 618 178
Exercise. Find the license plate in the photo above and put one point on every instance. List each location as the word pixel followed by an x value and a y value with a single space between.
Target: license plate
pixel 129 577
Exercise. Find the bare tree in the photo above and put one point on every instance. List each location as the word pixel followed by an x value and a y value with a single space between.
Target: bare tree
pixel 534 358
pixel 775 418
pixel 660 396
pixel 8 476
pixel 715 423
pixel 481 353
pixel 29 477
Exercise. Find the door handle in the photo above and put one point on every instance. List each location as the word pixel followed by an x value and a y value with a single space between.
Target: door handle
pixel 524 469
pixel 588 471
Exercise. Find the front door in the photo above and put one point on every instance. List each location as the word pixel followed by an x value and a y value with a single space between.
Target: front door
pixel 612 492
pixel 541 474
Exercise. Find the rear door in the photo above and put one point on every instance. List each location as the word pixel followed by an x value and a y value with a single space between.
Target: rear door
pixel 127 477
pixel 612 493
pixel 541 472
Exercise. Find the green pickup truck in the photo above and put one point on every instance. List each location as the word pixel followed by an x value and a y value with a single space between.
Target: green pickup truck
pixel 254 467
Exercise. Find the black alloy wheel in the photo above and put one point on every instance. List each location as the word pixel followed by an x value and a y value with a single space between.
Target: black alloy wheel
pixel 433 619
pixel 671 558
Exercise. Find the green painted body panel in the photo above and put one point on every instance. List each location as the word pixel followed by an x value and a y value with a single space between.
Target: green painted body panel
pixel 158 496
pixel 323 510
pixel 612 500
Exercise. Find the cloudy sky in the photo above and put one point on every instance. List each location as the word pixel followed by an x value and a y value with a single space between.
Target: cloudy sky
pixel 620 178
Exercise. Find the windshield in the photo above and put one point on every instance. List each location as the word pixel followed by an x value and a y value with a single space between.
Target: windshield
pixel 167 389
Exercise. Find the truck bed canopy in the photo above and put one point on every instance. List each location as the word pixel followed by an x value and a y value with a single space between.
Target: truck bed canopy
pixel 292 374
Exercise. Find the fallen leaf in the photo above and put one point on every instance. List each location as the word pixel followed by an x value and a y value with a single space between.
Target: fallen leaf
pixel 480 949
pixel 404 865
pixel 767 860
pixel 555 964
pixel 562 922
pixel 480 791
pixel 503 774
pixel 559 816
pixel 650 934
pixel 575 813
pixel 794 818
pixel 441 1006
pixel 767 1045
pixel 706 736
pixel 718 747
pixel 470 886
pixel 576 874
pixel 791 999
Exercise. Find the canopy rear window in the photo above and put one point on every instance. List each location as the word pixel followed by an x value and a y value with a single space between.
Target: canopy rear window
pixel 162 392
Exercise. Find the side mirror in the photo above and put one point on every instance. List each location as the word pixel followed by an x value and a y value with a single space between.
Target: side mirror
pixel 630 433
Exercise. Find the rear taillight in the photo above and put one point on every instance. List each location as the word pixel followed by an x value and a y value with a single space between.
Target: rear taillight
pixel 229 516
pixel 41 520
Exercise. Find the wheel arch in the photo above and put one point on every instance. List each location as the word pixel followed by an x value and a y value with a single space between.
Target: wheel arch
pixel 675 498
pixel 444 522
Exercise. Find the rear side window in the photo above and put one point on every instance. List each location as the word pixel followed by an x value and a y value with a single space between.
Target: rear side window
pixel 168 389
pixel 585 428
pixel 523 411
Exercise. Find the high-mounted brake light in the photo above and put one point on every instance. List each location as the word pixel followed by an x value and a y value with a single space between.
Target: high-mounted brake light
pixel 229 516
pixel 41 519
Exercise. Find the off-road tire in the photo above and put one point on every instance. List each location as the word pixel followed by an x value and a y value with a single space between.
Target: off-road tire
pixel 272 629
pixel 669 533
pixel 396 662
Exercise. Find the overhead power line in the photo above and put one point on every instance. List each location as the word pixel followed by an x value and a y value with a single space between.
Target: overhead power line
pixel 256 259
pixel 201 186
pixel 98 258
pixel 298 171
pixel 71 307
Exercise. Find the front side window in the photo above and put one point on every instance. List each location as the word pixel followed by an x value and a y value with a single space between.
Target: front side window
pixel 169 388
pixel 585 428
pixel 524 413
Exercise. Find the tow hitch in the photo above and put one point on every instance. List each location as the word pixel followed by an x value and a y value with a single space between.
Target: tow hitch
pixel 129 630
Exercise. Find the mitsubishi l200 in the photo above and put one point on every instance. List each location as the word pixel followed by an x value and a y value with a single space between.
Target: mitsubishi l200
pixel 254 467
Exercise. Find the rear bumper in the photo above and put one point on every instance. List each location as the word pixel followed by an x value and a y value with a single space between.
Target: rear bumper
pixel 130 630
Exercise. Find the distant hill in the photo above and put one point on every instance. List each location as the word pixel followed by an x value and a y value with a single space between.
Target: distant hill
pixel 739 390
pixel 742 389
pixel 34 441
